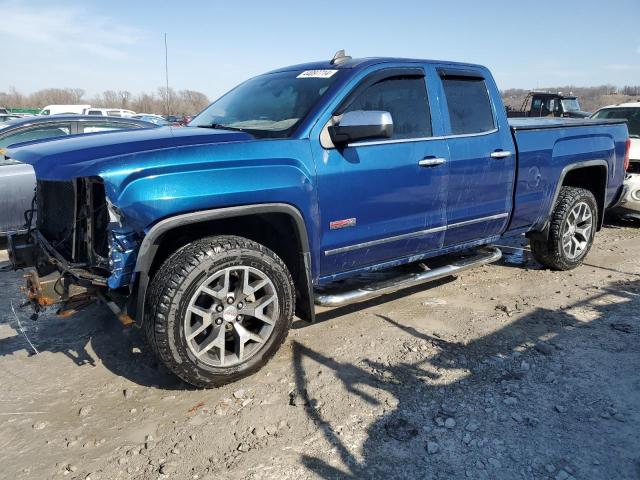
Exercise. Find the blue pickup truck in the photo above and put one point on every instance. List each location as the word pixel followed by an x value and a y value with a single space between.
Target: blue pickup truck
pixel 211 237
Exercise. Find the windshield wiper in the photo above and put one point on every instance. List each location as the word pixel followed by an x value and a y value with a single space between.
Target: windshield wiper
pixel 219 126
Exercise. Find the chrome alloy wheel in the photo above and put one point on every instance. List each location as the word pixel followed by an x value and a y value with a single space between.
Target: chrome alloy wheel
pixel 231 316
pixel 577 229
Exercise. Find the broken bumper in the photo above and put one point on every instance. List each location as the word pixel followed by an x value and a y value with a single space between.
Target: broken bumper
pixel 56 282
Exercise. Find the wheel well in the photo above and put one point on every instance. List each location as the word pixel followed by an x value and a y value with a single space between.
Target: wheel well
pixel 276 231
pixel 594 179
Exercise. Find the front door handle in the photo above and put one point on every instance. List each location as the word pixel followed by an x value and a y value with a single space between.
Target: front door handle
pixel 498 154
pixel 431 161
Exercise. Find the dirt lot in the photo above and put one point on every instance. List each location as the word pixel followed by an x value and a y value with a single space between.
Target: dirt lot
pixel 508 371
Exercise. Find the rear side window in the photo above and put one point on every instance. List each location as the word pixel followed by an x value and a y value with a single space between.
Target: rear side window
pixel 405 98
pixel 469 105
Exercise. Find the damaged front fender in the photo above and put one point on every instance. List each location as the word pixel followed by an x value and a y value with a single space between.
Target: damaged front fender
pixel 123 251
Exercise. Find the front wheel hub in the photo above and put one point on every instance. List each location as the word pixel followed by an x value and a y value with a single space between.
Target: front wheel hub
pixel 216 336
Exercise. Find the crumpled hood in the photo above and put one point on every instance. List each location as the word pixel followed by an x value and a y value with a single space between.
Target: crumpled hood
pixel 93 154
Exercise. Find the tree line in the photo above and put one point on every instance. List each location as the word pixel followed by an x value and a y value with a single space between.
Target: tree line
pixel 590 98
pixel 162 102
pixel 189 102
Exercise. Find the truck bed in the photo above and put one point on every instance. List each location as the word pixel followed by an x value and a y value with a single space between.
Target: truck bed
pixel 547 148
pixel 531 123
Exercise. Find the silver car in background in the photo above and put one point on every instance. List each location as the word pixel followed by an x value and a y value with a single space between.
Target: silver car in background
pixel 17 180
pixel 629 204
pixel 16 192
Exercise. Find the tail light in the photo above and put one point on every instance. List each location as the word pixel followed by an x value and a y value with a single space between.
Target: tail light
pixel 626 155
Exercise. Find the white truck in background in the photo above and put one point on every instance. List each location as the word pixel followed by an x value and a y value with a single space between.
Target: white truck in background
pixel 64 109
pixel 109 112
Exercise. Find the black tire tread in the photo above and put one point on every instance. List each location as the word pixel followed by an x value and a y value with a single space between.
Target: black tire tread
pixel 167 280
pixel 547 252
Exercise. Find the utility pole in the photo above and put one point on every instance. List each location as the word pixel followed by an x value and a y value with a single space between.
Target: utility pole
pixel 166 72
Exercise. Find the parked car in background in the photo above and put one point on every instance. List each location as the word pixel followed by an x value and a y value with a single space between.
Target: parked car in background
pixel 17 180
pixel 64 109
pixel 630 202
pixel 212 236
pixel 110 112
pixel 150 117
pixel 546 104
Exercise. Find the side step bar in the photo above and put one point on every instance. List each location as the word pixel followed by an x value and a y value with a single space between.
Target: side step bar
pixel 482 256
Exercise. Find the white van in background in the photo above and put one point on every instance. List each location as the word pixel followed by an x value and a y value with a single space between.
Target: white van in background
pixel 64 109
pixel 109 112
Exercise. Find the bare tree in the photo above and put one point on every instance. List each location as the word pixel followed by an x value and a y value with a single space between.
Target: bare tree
pixel 168 99
pixel 110 99
pixel 192 102
pixel 125 97
pixel 184 102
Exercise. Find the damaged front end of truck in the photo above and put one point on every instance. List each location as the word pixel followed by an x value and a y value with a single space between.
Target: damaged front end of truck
pixel 79 250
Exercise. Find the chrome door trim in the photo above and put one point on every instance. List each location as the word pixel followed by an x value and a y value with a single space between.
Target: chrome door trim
pixel 381 241
pixel 404 236
pixel 421 139
pixel 478 220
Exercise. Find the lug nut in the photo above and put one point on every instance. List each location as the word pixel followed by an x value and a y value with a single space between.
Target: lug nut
pixel 239 318
pixel 240 305
pixel 230 300
pixel 218 321
pixel 219 308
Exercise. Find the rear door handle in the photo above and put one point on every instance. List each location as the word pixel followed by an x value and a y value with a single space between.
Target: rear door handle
pixel 500 154
pixel 431 161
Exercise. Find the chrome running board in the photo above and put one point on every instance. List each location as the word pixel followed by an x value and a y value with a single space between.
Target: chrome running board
pixel 482 256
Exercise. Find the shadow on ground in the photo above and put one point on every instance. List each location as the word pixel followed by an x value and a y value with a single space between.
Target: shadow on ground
pixel 403 455
pixel 87 338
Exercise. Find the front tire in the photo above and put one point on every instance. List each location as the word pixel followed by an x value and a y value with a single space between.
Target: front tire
pixel 218 309
pixel 571 231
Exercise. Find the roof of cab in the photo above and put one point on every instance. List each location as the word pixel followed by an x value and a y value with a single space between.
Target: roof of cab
pixel 363 63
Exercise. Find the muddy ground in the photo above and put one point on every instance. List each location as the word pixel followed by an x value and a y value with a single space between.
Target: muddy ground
pixel 507 371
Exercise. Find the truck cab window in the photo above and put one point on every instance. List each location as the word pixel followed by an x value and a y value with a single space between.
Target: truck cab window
pixel 405 98
pixel 468 104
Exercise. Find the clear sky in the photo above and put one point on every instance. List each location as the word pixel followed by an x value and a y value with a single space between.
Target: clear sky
pixel 116 44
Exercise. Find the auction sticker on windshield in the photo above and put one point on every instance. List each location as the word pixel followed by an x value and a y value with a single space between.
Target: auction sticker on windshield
pixel 317 74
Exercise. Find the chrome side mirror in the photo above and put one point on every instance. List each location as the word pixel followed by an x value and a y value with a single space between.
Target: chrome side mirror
pixel 361 125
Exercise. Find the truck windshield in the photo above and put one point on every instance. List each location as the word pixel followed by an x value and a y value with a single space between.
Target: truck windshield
pixel 631 115
pixel 270 105
pixel 570 105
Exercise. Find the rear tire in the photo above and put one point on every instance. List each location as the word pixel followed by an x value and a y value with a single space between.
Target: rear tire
pixel 218 309
pixel 572 230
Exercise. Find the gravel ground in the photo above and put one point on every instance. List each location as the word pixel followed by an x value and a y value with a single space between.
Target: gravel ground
pixel 508 371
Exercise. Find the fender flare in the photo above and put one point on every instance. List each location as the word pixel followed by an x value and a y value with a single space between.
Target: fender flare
pixel 543 232
pixel 151 242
